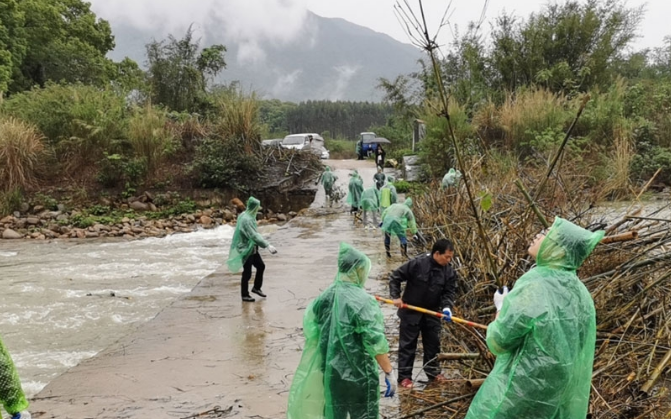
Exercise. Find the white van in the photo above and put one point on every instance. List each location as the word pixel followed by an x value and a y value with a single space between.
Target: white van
pixel 302 141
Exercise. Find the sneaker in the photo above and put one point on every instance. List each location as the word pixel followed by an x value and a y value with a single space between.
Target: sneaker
pixel 258 292
pixel 406 383
pixel 248 299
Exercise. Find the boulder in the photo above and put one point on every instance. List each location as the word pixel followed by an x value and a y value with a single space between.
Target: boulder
pixel 292 214
pixel 32 220
pixel 205 220
pixel 281 217
pixel 237 203
pixel 228 216
pixel 152 207
pixel 38 209
pixel 139 206
pixel 62 207
pixel 259 216
pixel 62 217
pixel 10 234
pixel 7 220
pixel 208 213
pixel 92 235
pixel 24 207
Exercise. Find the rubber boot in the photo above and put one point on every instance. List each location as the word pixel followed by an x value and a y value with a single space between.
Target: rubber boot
pixel 404 251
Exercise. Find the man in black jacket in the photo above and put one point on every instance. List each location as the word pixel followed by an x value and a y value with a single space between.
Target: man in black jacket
pixel 431 283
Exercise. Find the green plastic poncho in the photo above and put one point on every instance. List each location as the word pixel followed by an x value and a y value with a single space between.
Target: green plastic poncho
pixel 398 218
pixel 344 332
pixel 388 195
pixel 11 393
pixel 544 336
pixel 355 190
pixel 370 199
pixel 451 178
pixel 246 237
pixel 328 179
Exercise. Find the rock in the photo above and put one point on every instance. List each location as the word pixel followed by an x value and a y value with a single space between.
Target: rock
pixel 152 207
pixel 208 213
pixel 125 220
pixel 50 234
pixel 263 222
pixel 205 220
pixel 38 209
pixel 62 217
pixel 24 207
pixel 292 214
pixel 7 220
pixel 81 234
pixel 50 214
pixel 237 203
pixel 190 218
pixel 33 220
pixel 35 235
pixel 281 217
pixel 105 201
pixel 259 216
pixel 139 206
pixel 92 234
pixel 62 207
pixel 65 231
pixel 228 216
pixel 10 234
pixel 137 230
pixel 17 214
pixel 148 195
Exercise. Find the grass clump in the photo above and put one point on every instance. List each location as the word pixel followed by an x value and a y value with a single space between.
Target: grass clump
pixel 21 154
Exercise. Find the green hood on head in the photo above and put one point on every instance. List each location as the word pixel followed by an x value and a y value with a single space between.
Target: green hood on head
pixel 328 169
pixel 408 202
pixel 390 179
pixel 253 205
pixel 353 265
pixel 567 245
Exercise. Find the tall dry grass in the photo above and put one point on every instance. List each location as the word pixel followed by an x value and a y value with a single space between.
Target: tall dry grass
pixel 618 185
pixel 150 136
pixel 21 154
pixel 238 118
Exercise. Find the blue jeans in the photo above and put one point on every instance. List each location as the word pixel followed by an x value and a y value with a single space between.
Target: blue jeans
pixel 401 237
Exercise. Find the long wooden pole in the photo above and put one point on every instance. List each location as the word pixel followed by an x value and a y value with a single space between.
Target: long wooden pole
pixel 433 313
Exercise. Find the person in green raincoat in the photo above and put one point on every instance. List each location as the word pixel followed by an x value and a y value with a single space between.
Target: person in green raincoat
pixel 396 220
pixel 328 179
pixel 379 178
pixel 388 194
pixel 544 335
pixel 11 394
pixel 244 252
pixel 345 342
pixel 451 178
pixel 355 190
pixel 370 204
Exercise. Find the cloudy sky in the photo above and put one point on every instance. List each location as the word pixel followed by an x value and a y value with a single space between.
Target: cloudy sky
pixel 282 20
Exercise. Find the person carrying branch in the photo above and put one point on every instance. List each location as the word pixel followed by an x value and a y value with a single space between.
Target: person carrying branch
pixel 338 376
pixel 431 283
pixel 544 334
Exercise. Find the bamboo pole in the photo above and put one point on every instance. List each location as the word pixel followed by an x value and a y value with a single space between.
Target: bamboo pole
pixel 474 384
pixel 532 203
pixel 656 373
pixel 629 235
pixel 433 313
pixel 457 357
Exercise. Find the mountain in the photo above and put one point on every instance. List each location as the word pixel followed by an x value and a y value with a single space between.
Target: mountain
pixel 335 60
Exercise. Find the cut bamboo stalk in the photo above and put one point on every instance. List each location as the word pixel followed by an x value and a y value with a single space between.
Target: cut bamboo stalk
pixel 624 237
pixel 474 384
pixel 656 373
pixel 456 357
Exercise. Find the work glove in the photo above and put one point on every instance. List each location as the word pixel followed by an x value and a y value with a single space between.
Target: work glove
pixel 272 249
pixel 447 314
pixel 21 415
pixel 391 382
pixel 415 237
pixel 499 296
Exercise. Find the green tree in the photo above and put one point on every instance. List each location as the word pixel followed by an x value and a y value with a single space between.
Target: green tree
pixel 65 41
pixel 12 42
pixel 178 72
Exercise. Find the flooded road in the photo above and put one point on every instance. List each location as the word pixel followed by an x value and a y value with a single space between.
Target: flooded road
pixel 209 349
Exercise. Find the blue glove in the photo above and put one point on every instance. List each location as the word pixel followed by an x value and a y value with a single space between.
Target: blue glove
pixel 21 415
pixel 391 382
pixel 447 314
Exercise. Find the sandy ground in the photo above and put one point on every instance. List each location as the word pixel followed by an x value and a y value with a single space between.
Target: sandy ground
pixel 208 351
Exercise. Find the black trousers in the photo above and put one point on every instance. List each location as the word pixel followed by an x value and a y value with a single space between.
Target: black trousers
pixel 410 329
pixel 255 261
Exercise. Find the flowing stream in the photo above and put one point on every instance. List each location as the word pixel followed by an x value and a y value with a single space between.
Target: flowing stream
pixel 64 301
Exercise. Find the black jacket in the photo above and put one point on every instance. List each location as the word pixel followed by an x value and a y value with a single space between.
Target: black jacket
pixel 428 285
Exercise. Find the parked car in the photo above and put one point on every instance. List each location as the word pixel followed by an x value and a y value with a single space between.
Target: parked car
pixel 275 142
pixel 298 141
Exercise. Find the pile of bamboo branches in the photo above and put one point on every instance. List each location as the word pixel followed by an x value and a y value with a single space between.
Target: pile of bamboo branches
pixel 629 276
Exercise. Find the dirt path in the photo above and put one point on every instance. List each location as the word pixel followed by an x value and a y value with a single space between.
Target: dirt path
pixel 209 349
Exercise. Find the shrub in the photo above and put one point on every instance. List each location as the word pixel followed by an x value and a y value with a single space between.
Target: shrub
pixel 644 166
pixel 21 154
pixel 10 201
pixel 115 169
pixel 402 186
pixel 223 163
pixel 79 122
pixel 236 117
pixel 150 137
pixel 341 149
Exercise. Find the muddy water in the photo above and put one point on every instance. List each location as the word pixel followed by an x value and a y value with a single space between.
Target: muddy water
pixel 65 301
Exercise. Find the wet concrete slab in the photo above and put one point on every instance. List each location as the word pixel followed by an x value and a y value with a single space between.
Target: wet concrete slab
pixel 209 351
